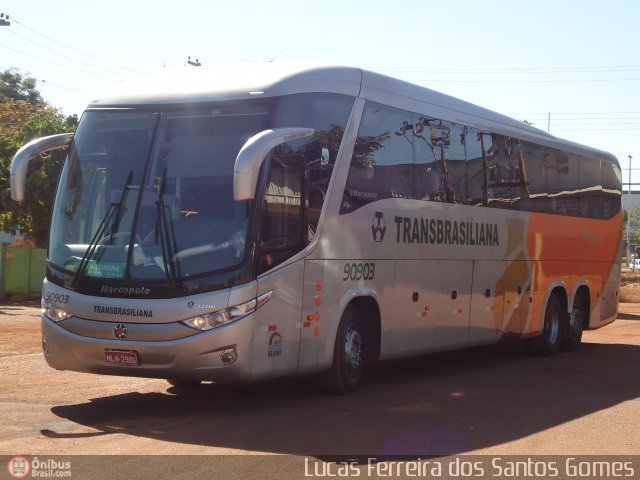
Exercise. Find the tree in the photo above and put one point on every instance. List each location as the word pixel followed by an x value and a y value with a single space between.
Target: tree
pixel 18 87
pixel 24 116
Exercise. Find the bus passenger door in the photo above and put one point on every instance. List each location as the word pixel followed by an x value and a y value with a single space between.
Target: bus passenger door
pixel 277 339
pixel 487 302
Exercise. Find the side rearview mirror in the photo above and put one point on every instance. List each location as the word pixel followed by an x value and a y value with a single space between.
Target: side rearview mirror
pixel 18 170
pixel 253 153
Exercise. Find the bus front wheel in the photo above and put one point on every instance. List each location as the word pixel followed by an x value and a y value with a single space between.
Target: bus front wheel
pixel 549 342
pixel 348 355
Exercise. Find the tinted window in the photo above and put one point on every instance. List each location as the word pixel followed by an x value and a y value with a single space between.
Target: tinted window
pixel 611 189
pixel 590 187
pixel 281 232
pixel 450 138
pixel 476 167
pixel 382 158
pixel 399 154
pixel 535 196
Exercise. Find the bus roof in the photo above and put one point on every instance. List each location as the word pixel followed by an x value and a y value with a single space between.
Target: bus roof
pixel 242 81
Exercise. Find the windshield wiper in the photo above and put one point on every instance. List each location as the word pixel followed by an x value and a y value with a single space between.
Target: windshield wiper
pixel 115 209
pixel 165 230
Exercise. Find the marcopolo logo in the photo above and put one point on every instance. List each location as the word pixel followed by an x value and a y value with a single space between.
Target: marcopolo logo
pixel 378 226
pixel 127 291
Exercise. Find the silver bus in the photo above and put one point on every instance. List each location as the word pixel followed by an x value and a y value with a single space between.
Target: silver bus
pixel 254 221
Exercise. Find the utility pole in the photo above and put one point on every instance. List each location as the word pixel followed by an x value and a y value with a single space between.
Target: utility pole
pixel 4 20
pixel 629 215
pixel 195 64
pixel 549 122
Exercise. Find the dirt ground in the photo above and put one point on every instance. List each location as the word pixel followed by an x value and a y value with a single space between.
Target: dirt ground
pixel 456 397
pixel 24 335
pixel 630 287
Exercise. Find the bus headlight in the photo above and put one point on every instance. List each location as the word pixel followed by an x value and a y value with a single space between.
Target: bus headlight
pixel 211 320
pixel 53 311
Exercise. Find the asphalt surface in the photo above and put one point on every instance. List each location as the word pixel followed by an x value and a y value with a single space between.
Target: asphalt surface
pixel 482 401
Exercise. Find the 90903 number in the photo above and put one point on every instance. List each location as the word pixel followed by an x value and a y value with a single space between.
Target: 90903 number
pixel 56 297
pixel 358 271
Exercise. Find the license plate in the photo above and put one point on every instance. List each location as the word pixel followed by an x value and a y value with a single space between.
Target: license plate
pixel 116 357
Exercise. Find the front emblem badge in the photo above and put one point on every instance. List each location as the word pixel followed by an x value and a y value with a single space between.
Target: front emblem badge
pixel 120 331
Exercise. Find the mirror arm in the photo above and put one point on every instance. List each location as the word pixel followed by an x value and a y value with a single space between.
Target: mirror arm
pixel 253 153
pixel 18 170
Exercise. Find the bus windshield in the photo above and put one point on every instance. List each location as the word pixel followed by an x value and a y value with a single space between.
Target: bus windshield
pixel 147 196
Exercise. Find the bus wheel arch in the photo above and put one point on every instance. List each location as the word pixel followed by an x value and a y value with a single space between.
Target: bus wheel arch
pixel 357 345
pixel 577 320
pixel 555 317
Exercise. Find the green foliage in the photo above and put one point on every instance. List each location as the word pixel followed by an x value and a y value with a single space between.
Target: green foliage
pixel 18 87
pixel 634 223
pixel 30 118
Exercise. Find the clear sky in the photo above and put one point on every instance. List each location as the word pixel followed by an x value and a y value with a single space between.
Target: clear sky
pixel 575 60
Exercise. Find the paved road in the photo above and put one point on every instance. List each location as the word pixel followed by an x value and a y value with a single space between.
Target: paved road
pixel 481 401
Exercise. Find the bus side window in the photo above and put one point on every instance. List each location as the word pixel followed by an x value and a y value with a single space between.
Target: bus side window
pixel 611 178
pixel 454 159
pixel 476 168
pixel 562 181
pixel 429 176
pixel 281 230
pixel 590 185
pixel 382 162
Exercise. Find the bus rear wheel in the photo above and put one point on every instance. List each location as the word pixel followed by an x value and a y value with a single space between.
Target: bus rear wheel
pixel 349 354
pixel 549 342
pixel 574 326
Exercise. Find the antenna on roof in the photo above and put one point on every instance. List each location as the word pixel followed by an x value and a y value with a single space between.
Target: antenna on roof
pixel 195 64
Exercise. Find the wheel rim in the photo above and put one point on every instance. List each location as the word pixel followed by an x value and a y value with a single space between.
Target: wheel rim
pixel 553 326
pixel 353 350
pixel 575 323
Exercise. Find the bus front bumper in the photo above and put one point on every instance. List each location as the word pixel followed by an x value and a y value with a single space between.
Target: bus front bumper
pixel 220 355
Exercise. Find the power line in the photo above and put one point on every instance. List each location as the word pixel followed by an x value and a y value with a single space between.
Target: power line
pixel 64 88
pixel 68 67
pixel 66 56
pixel 75 49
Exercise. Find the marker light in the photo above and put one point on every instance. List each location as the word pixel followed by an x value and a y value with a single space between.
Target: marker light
pixel 211 320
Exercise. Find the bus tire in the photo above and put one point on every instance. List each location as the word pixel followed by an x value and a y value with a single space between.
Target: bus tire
pixel 549 341
pixel 348 354
pixel 574 326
